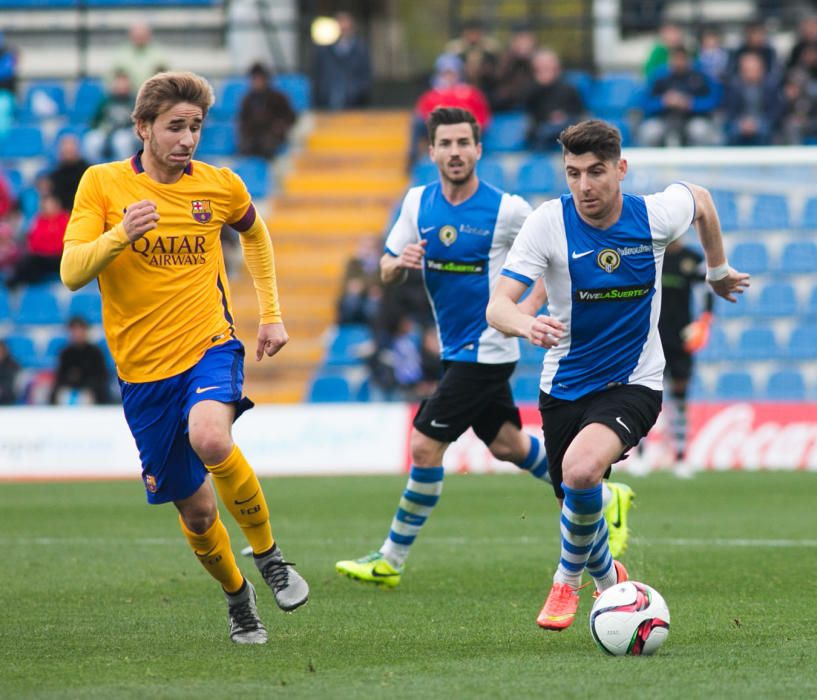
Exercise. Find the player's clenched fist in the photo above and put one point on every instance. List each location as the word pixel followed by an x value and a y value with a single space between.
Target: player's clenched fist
pixel 140 218
pixel 412 255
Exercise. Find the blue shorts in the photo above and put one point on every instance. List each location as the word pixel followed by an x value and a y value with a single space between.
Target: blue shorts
pixel 157 416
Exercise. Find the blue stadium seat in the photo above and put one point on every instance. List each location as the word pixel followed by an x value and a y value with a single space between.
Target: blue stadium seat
pixel 343 348
pixel 786 385
pixel 530 356
pixel 53 349
pixel 22 142
pixel 613 94
pixel 726 309
pixel 799 257
pixel 229 99
pixel 718 347
pixel 256 175
pixel 87 304
pixel 770 211
pixel 297 88
pixel 217 139
pixel 757 344
pixel 491 171
pixel 77 130
pixel 38 305
pixel 15 179
pixel 735 386
pixel 809 219
pixel 751 257
pixel 582 81
pixel 536 177
pixel 624 128
pixel 5 306
pixel 87 97
pixel 697 389
pixel 802 343
pixel 811 307
pixel 776 299
pixel 506 132
pixel 525 387
pixel 726 203
pixel 43 100
pixel 22 348
pixel 424 172
pixel 330 389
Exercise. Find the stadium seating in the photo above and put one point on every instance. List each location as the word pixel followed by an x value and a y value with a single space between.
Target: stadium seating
pixel 229 98
pixel 802 343
pixel 735 386
pixel 535 178
pixel 297 87
pixel 775 300
pixel 726 309
pixel 786 385
pixel 88 96
pixel 22 142
pixel 757 344
pixel 330 389
pixel 727 205
pixel 614 94
pixel 491 171
pixel 52 350
pixel 811 307
pixel 718 347
pixel 37 305
pixel 506 132
pixel 256 175
pixel 43 100
pixel 798 257
pixel 525 386
pixel 770 211
pixel 86 304
pixel 423 173
pixel 23 349
pixel 809 219
pixel 750 256
pixel 217 139
pixel 343 349
pixel 5 306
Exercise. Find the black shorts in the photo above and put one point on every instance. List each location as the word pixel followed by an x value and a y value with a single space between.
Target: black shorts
pixel 629 411
pixel 679 362
pixel 470 394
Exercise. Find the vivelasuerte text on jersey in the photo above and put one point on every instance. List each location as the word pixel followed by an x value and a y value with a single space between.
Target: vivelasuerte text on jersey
pixel 604 285
pixel 467 244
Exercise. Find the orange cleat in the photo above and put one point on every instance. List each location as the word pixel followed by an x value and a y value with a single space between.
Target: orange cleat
pixel 560 608
pixel 621 573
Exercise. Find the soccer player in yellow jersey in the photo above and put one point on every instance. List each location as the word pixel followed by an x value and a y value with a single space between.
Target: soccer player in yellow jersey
pixel 147 229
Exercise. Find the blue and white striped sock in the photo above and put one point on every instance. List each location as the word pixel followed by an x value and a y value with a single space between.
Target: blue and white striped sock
pixel 600 562
pixel 422 492
pixel 581 513
pixel 537 460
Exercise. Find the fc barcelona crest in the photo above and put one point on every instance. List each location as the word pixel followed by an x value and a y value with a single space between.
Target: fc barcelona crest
pixel 201 210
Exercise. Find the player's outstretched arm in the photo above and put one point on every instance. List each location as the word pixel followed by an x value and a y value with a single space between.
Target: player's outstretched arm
pixel 504 314
pixel 83 261
pixel 725 281
pixel 394 268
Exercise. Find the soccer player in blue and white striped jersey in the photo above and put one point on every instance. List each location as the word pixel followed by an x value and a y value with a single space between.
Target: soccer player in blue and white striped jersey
pixel 600 253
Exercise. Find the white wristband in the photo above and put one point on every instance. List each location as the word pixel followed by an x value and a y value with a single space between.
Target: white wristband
pixel 713 274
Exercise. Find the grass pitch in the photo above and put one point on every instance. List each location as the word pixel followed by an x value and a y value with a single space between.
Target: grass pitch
pixel 103 599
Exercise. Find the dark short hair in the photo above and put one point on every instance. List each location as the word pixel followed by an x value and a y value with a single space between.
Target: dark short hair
pixel 451 115
pixel 78 321
pixel 594 136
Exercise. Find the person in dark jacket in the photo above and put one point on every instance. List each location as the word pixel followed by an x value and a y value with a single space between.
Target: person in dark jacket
pixel 82 375
pixel 753 105
pixel 343 70
pixel 552 103
pixel 265 116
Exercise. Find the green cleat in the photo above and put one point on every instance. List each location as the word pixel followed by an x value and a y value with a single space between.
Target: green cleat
pixel 616 516
pixel 373 568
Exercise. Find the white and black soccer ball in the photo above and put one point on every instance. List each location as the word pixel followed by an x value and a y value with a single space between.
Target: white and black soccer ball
pixel 630 619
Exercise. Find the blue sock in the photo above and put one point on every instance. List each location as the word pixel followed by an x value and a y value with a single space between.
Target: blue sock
pixel 600 562
pixel 537 460
pixel 425 484
pixel 581 513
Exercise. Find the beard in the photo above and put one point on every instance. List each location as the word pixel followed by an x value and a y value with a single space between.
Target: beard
pixel 462 179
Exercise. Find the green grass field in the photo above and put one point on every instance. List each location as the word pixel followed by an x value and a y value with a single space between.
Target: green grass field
pixel 102 598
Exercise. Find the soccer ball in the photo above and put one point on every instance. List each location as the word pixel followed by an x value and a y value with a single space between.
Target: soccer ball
pixel 630 619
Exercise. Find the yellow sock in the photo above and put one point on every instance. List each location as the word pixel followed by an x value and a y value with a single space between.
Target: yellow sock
pixel 212 549
pixel 241 493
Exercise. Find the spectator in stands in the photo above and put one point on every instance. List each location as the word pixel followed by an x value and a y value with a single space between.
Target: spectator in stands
pixel 141 58
pixel 514 74
pixel 670 37
pixel 806 36
pixel 264 118
pixel 713 56
pixel 479 54
pixel 41 259
pixel 81 375
pixel 753 105
pixel 680 105
pixel 799 119
pixel 362 292
pixel 448 89
pixel 111 136
pixel 755 40
pixel 10 251
pixel 431 363
pixel 552 103
pixel 8 67
pixel 66 175
pixel 9 372
pixel 343 70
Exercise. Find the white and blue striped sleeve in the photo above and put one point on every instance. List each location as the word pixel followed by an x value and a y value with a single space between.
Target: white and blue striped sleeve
pixel 529 256
pixel 670 212
pixel 405 230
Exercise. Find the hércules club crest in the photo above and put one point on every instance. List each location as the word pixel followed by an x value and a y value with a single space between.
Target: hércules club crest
pixel 201 210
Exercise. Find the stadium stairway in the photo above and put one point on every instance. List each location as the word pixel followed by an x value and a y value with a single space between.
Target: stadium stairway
pixel 341 188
